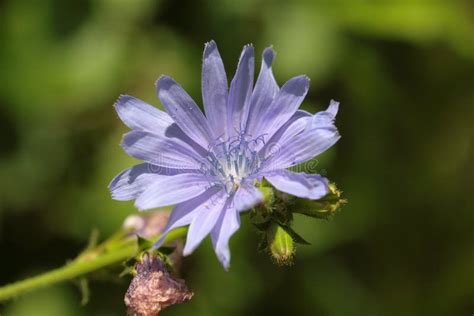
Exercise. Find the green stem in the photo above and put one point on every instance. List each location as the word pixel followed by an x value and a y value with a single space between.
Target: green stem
pixel 87 262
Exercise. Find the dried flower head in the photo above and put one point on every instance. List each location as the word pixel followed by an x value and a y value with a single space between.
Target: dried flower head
pixel 153 289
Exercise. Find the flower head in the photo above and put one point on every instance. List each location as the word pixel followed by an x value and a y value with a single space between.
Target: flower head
pixel 208 165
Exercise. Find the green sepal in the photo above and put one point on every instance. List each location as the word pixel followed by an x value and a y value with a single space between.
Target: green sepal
pixel 313 209
pixel 262 226
pixel 162 253
pixel 129 266
pixel 144 243
pixel 295 236
pixel 127 271
pixel 263 244
pixel 166 250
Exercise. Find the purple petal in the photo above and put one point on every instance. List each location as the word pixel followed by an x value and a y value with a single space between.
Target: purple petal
pixel 139 115
pixel 131 182
pixel 169 190
pixel 319 135
pixel 161 151
pixel 227 225
pixel 246 197
pixel 265 91
pixel 214 89
pixel 241 91
pixel 184 213
pixel 325 118
pixel 204 222
pixel 126 187
pixel 284 105
pixel 295 125
pixel 309 186
pixel 304 147
pixel 183 110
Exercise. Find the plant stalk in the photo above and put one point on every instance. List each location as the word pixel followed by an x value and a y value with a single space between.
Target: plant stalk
pixel 89 261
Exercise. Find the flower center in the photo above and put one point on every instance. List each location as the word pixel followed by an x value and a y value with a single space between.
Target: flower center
pixel 233 160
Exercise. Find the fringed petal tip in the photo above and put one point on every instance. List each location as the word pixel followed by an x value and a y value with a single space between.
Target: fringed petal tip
pixel 164 82
pixel 298 86
pixel 210 43
pixel 247 53
pixel 333 107
pixel 209 48
pixel 121 100
pixel 249 45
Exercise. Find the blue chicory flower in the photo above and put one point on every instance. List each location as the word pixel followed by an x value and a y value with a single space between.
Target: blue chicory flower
pixel 207 166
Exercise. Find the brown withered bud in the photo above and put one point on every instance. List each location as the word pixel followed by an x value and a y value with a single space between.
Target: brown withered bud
pixel 153 289
pixel 147 226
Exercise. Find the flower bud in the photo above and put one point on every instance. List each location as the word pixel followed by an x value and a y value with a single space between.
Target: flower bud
pixel 323 208
pixel 280 245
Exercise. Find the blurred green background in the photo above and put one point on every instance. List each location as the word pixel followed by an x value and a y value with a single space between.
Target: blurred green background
pixel 402 70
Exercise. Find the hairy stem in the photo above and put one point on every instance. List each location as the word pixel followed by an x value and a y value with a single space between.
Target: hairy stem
pixel 110 252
